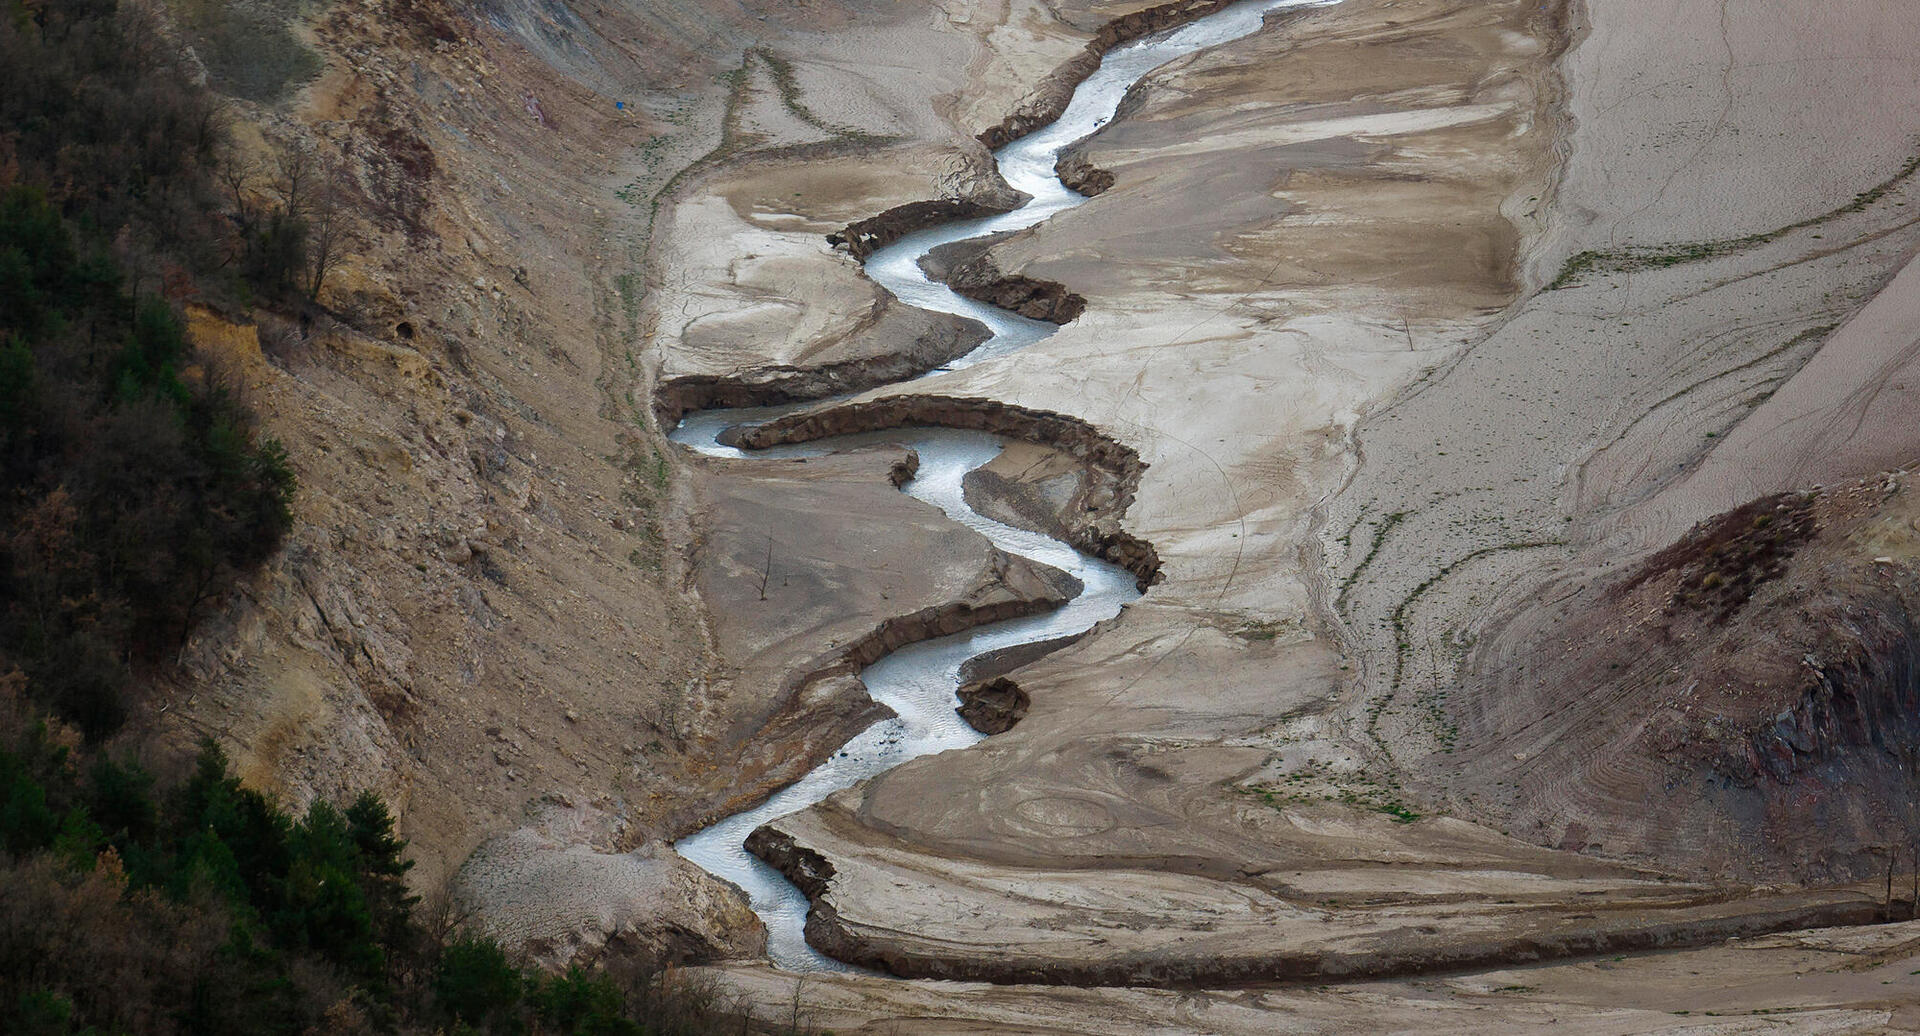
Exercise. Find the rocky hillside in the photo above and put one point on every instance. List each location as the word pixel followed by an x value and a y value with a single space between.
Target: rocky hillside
pixel 480 611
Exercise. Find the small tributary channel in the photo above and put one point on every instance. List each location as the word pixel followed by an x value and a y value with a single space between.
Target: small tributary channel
pixel 918 682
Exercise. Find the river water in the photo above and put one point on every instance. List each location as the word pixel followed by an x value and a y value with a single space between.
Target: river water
pixel 918 682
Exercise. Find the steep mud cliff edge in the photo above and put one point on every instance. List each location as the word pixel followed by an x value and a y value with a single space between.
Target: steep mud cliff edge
pixel 865 237
pixel 1093 527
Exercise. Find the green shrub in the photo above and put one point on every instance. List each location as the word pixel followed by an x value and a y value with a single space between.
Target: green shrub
pixel 200 906
pixel 583 1004
pixel 475 984
pixel 132 497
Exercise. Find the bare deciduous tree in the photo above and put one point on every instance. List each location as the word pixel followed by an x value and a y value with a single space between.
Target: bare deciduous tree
pixel 293 175
pixel 333 230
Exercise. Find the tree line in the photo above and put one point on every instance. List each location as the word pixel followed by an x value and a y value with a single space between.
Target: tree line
pixel 134 905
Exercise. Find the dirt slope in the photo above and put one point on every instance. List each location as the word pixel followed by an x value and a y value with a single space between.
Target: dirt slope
pixel 486 611
pixel 1719 322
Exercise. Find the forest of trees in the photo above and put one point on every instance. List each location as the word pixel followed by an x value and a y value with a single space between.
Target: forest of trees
pixel 200 907
pixel 133 488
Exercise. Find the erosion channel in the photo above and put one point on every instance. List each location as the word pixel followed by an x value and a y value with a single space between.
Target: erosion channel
pixel 918 682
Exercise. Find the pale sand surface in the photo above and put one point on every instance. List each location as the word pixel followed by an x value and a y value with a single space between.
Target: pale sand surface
pixel 1314 310
pixel 1589 400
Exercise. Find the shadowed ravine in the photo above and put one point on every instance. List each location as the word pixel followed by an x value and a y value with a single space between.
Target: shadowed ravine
pixel 918 682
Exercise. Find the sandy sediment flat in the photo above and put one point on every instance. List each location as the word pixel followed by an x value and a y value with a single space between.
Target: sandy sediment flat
pixel 1420 313
pixel 1572 425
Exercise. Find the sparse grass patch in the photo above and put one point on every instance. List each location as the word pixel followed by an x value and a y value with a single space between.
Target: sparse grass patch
pixel 1446 734
pixel 1313 785
pixel 1651 257
pixel 781 72
pixel 1380 532
pixel 631 290
pixel 1260 631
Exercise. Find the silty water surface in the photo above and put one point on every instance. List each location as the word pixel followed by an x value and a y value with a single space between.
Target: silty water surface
pixel 918 682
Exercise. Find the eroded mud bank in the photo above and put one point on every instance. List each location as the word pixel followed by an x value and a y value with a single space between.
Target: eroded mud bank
pixel 1096 531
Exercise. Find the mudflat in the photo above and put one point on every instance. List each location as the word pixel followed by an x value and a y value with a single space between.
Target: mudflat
pixel 1413 312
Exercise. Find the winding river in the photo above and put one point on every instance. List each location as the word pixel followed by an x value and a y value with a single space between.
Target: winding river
pixel 918 682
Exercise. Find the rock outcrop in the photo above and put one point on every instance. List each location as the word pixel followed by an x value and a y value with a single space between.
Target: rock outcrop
pixel 1080 174
pixel 902 471
pixel 979 279
pixel 992 706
